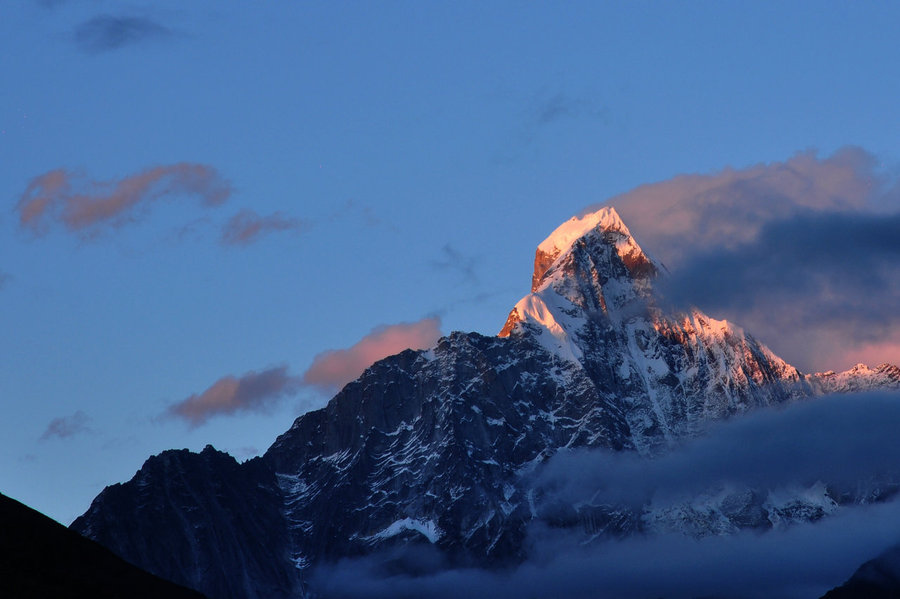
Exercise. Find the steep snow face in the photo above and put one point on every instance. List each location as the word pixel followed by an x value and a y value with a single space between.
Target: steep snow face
pixel 589 267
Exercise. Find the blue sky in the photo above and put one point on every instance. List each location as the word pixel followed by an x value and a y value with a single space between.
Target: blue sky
pixel 401 162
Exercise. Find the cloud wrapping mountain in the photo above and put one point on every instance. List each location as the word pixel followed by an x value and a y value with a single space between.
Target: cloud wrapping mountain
pixel 840 439
pixel 801 252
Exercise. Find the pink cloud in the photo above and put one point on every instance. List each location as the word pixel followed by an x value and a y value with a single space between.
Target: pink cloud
pixel 333 369
pixel 842 357
pixel 83 205
pixel 247 226
pixel 690 213
pixel 251 392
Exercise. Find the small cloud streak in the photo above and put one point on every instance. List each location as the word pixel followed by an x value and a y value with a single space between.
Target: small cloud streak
pixel 453 260
pixel 84 206
pixel 247 227
pixel 332 369
pixel 106 33
pixel 251 392
pixel 67 426
pixel 561 106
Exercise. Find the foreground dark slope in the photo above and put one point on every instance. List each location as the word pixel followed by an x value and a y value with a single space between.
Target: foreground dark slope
pixel 41 558
pixel 433 449
pixel 876 579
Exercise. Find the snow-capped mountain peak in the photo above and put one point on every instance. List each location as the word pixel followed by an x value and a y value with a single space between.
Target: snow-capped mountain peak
pixel 590 267
pixel 563 239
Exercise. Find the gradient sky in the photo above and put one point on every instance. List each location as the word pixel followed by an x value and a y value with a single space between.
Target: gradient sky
pixel 216 211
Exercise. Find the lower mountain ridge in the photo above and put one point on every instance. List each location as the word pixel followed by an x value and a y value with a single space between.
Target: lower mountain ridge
pixel 437 448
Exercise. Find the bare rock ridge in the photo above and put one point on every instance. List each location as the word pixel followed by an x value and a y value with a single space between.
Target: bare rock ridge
pixel 432 449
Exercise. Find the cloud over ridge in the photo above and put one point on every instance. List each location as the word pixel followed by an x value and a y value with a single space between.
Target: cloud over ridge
pixel 332 369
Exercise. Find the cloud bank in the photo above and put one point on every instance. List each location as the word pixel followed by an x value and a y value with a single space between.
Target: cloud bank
pixel 65 427
pixel 84 206
pixel 802 253
pixel 251 392
pixel 840 440
pixel 846 439
pixel 247 227
pixel 333 369
pixel 106 33
pixel 798 563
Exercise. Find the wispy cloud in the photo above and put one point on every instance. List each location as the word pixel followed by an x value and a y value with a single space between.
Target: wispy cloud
pixel 452 260
pixel 801 253
pixel 105 33
pixel 561 106
pixel 352 209
pixel 85 206
pixel 332 369
pixel 251 392
pixel 247 227
pixel 65 427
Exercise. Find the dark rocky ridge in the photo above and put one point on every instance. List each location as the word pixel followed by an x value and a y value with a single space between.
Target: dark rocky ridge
pixel 433 447
pixel 201 520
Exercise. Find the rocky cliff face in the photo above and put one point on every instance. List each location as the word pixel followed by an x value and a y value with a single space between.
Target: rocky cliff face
pixel 434 447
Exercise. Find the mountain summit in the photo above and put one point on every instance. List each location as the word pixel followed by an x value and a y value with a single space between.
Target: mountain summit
pixel 589 266
pixel 433 449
